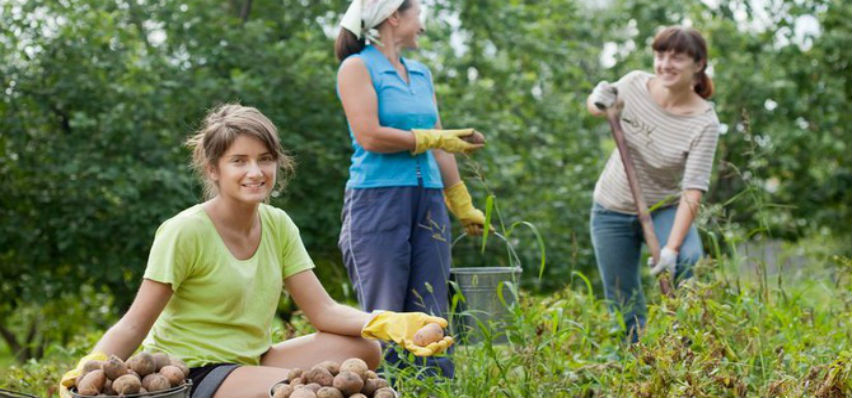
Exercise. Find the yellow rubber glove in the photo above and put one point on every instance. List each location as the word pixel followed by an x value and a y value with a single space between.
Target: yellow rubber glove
pixel 70 377
pixel 461 205
pixel 400 328
pixel 448 140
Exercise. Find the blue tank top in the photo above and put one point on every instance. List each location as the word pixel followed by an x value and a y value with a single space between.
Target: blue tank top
pixel 403 106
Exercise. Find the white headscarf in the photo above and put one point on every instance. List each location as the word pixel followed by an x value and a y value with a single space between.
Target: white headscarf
pixel 363 16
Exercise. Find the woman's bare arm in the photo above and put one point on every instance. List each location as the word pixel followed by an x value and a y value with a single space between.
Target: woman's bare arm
pixel 127 334
pixel 325 314
pixel 361 106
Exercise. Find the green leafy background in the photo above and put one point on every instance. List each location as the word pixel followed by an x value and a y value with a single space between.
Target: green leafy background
pixel 99 95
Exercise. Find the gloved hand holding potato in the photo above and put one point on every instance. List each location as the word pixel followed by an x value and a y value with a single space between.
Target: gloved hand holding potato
pixel 453 141
pixel 403 327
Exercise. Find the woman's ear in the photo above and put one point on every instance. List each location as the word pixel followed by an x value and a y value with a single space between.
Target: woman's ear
pixel 393 19
pixel 212 172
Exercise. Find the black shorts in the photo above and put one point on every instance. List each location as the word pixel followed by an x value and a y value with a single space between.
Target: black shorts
pixel 207 379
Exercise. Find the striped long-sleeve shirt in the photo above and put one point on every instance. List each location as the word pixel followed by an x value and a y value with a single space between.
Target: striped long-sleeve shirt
pixel 672 153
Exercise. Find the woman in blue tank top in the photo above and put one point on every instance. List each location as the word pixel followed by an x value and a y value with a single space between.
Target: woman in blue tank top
pixel 403 177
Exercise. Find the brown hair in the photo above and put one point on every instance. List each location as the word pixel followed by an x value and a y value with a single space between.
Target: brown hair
pixel 347 44
pixel 689 41
pixel 222 125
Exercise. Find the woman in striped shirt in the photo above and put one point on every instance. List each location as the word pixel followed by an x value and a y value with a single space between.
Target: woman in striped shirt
pixel 671 132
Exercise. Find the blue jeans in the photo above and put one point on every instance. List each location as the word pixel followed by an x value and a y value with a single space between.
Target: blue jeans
pixel 395 243
pixel 617 239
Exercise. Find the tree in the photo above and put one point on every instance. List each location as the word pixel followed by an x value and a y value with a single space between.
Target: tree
pixel 99 96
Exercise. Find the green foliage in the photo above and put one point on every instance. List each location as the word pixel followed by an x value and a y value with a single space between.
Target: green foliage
pixel 528 66
pixel 720 336
pixel 99 96
pixel 515 80
pixel 727 333
pixel 52 324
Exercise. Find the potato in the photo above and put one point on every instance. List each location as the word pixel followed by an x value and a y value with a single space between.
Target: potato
pixel 142 363
pixel 319 375
pixel 313 386
pixel 142 390
pixel 303 392
pixel 156 382
pixel 475 138
pixel 371 385
pixel 294 373
pixel 114 367
pixel 180 365
pixel 127 384
pixel 92 365
pixel 428 334
pixel 282 390
pixel 160 359
pixel 385 392
pixel 329 392
pixel 358 395
pixel 348 382
pixel 355 365
pixel 92 383
pixel 297 381
pixel 88 367
pixel 107 390
pixel 173 374
pixel 332 366
pixel 372 375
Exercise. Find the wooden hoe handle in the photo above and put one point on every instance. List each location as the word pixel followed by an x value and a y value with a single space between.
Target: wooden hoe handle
pixel 612 115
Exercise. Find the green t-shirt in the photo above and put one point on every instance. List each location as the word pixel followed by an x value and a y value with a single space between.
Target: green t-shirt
pixel 222 308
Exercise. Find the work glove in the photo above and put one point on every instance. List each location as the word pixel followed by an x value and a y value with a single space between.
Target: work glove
pixel 400 328
pixel 604 95
pixel 448 140
pixel 461 205
pixel 70 377
pixel 668 260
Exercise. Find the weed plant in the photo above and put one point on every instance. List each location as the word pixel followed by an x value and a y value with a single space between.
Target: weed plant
pixel 726 333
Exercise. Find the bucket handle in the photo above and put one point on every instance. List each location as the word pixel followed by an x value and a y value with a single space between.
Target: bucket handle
pixel 513 256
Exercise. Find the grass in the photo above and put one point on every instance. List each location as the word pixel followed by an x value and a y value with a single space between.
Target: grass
pixel 729 332
pixel 6 357
pixel 719 337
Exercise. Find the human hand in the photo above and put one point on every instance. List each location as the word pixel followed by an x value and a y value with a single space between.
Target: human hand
pixel 460 204
pixel 453 141
pixel 668 261
pixel 69 379
pixel 604 95
pixel 400 327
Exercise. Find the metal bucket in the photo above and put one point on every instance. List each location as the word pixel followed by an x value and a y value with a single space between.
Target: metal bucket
pixel 181 391
pixel 487 298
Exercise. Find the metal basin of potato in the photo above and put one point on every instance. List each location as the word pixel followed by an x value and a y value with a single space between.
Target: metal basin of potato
pixel 181 391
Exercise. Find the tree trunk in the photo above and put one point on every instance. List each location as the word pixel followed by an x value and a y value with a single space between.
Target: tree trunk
pixel 32 348
pixel 244 13
pixel 19 351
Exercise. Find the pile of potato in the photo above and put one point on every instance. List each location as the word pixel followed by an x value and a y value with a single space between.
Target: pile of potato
pixel 142 373
pixel 328 379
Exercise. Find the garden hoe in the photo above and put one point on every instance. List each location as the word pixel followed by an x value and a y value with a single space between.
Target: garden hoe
pixel 612 115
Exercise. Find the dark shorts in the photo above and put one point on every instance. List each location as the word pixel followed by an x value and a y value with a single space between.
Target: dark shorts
pixel 207 379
